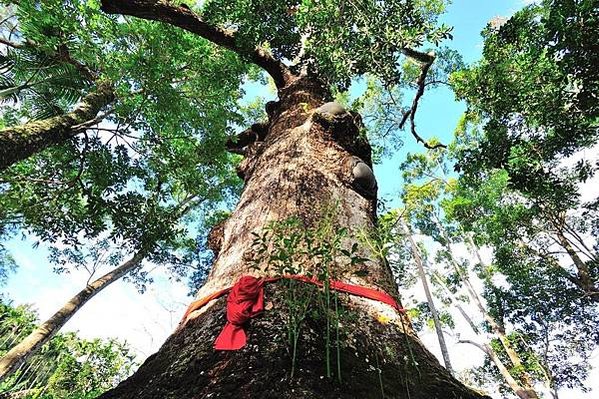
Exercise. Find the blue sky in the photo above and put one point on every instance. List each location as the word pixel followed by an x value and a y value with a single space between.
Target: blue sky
pixel 438 111
pixel 146 320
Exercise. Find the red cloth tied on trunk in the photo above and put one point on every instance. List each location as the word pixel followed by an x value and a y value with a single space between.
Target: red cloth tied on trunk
pixel 358 290
pixel 245 301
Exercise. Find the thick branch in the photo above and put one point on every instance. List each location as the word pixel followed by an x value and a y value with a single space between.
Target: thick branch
pixel 240 143
pixel 20 142
pixel 426 61
pixel 183 17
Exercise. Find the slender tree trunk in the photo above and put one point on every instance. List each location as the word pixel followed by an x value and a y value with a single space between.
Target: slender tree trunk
pixel 520 391
pixel 16 356
pixel 495 327
pixel 429 296
pixel 586 282
pixel 20 142
pixel 302 161
pixel 549 380
pixel 456 303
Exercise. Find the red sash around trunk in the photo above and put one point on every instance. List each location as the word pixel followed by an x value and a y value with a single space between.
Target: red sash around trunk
pixel 246 300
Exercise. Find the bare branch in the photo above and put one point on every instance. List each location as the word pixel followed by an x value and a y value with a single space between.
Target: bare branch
pixel 65 56
pixel 426 61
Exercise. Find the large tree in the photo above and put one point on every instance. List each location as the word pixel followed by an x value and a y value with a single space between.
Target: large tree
pixel 526 148
pixel 304 160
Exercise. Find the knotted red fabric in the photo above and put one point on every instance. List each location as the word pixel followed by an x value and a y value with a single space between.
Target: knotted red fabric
pixel 245 301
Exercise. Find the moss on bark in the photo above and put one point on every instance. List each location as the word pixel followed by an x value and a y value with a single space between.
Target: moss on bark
pixel 20 142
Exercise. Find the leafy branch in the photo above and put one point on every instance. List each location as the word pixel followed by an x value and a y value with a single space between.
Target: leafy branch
pixel 183 17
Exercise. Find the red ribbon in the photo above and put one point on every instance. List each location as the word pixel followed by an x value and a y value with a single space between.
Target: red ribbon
pixel 246 300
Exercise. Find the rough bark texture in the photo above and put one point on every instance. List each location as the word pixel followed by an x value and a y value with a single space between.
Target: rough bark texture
pixel 303 163
pixel 187 366
pixel 19 142
pixel 43 333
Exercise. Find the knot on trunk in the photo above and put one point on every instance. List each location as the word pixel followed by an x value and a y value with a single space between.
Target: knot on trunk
pixel 361 177
pixel 240 143
pixel 247 144
pixel 344 128
pixel 330 114
pixel 216 237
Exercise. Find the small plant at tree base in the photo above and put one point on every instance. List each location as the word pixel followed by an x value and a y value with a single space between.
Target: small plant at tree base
pixel 288 248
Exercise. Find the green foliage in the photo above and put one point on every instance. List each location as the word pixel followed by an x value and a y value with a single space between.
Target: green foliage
pixel 338 40
pixel 421 317
pixel 152 162
pixel 7 265
pixel 532 97
pixel 320 253
pixel 529 110
pixel 68 367
pixel 39 80
pixel 383 105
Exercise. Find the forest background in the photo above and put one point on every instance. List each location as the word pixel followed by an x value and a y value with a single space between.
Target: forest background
pixel 145 320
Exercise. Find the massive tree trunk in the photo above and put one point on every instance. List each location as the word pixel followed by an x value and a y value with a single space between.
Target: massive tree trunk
pixel 302 160
pixel 20 142
pixel 18 354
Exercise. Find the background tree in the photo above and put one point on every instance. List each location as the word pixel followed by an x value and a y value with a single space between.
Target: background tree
pixel 529 117
pixel 136 174
pixel 66 367
pixel 532 136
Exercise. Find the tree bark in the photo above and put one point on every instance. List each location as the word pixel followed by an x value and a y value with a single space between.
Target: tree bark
pixel 429 296
pixel 17 395
pixel 299 166
pixel 16 356
pixel 20 142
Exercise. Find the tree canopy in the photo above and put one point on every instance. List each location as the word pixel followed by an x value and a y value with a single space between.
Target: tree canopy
pixel 116 117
